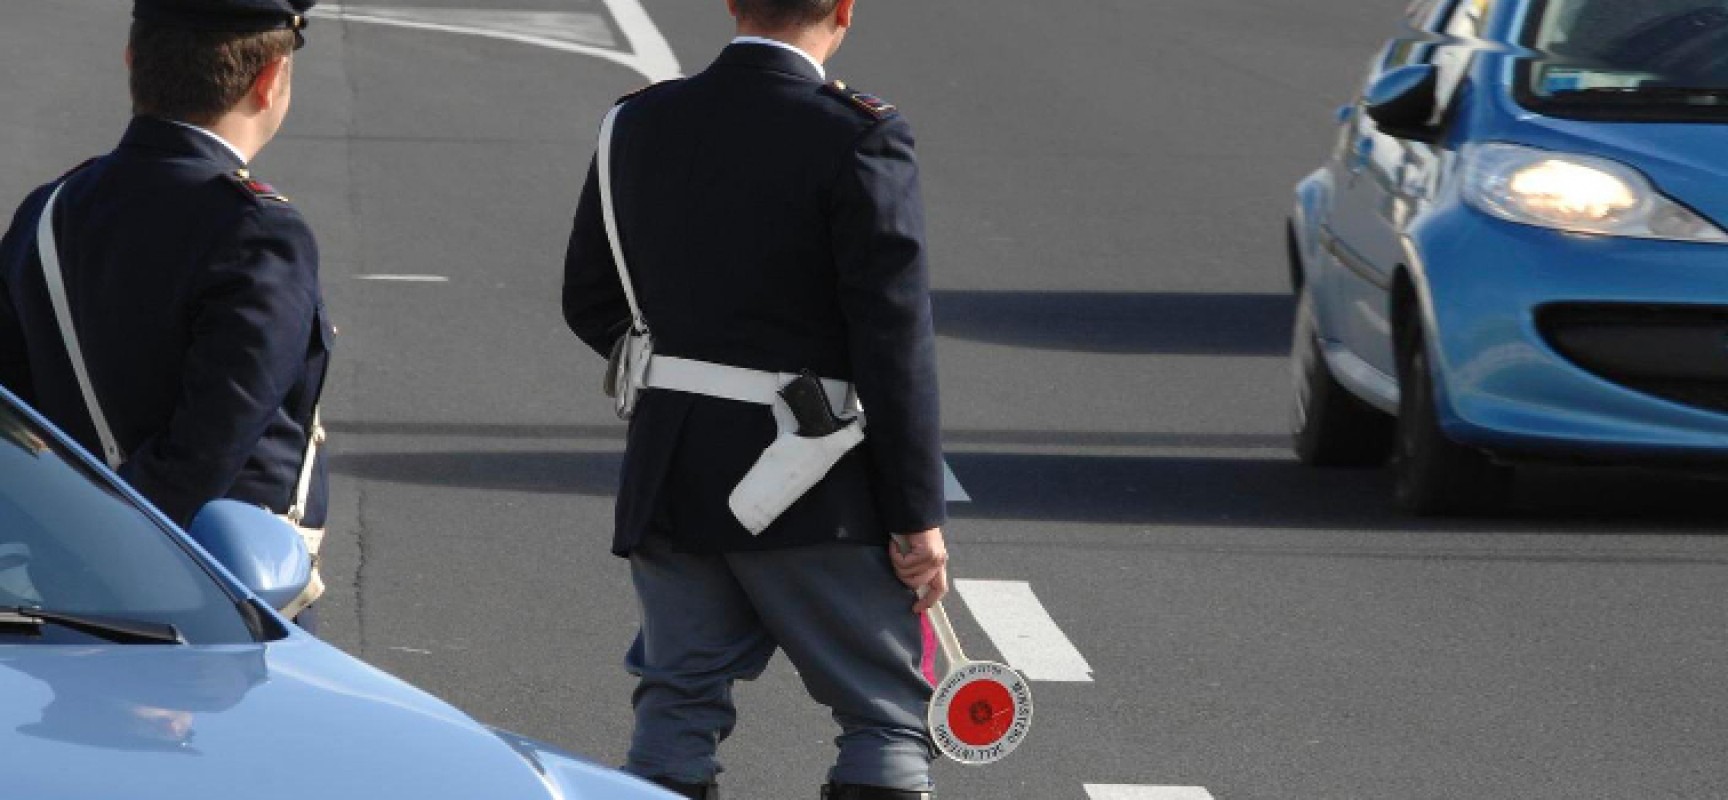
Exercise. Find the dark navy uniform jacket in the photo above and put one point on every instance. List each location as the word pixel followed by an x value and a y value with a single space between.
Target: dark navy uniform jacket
pixel 775 223
pixel 195 295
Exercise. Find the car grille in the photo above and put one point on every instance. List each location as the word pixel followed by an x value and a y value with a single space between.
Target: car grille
pixel 1679 353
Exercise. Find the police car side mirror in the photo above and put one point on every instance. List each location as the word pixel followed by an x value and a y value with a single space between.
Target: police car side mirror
pixel 1403 102
pixel 261 551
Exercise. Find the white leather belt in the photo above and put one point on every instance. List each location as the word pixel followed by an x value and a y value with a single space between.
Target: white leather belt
pixel 736 383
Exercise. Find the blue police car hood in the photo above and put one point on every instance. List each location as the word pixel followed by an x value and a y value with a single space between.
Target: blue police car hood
pixel 291 720
pixel 1683 159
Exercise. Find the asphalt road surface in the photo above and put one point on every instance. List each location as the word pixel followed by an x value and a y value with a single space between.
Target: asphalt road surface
pixel 1107 182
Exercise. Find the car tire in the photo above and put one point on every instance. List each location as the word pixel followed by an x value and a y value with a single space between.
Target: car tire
pixel 1433 475
pixel 1329 426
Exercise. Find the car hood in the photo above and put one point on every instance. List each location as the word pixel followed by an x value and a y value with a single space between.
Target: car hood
pixel 1684 159
pixel 284 721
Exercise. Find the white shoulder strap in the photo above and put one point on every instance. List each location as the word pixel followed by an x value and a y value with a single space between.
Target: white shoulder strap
pixel 50 255
pixel 303 487
pixel 603 161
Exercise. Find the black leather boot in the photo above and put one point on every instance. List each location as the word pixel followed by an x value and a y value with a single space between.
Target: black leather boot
pixel 694 791
pixel 852 791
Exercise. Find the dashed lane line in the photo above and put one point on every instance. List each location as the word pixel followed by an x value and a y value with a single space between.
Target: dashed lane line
pixel 403 278
pixel 1103 791
pixel 1023 631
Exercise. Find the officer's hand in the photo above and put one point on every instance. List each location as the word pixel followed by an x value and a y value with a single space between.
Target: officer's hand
pixel 921 562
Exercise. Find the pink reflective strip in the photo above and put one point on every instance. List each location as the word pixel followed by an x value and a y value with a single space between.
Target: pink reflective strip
pixel 927 663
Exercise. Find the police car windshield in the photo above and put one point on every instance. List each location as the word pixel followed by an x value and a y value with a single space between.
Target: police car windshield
pixel 1632 59
pixel 70 543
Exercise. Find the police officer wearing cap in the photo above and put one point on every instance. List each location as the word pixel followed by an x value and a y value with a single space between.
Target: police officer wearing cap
pixel 770 224
pixel 194 343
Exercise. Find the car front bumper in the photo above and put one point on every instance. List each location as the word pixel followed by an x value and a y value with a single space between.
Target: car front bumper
pixel 1563 345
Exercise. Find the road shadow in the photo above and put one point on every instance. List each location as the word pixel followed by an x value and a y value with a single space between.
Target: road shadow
pixel 538 471
pixel 1254 484
pixel 1274 492
pixel 1166 323
pixel 965 437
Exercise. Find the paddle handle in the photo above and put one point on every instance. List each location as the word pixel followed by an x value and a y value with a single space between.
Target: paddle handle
pixel 946 637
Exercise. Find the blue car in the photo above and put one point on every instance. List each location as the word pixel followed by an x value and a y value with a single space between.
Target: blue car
pixel 135 664
pixel 1516 251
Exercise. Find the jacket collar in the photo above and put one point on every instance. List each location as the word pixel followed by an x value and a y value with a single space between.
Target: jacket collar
pixel 162 136
pixel 767 57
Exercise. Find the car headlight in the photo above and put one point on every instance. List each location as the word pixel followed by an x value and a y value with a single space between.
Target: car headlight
pixel 1580 194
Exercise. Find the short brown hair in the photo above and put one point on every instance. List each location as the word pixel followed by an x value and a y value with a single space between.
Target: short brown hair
pixel 196 76
pixel 785 13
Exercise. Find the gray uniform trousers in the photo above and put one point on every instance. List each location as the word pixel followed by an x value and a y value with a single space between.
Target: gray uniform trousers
pixel 839 613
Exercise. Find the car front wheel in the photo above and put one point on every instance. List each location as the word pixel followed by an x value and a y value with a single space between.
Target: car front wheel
pixel 1435 476
pixel 1329 426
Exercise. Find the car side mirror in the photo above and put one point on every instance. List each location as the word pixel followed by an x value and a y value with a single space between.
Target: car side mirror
pixel 1403 102
pixel 264 553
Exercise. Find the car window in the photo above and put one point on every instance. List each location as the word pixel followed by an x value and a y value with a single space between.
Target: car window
pixel 1648 59
pixel 69 542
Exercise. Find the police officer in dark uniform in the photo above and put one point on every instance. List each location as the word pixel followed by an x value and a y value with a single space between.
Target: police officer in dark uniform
pixel 192 286
pixel 772 224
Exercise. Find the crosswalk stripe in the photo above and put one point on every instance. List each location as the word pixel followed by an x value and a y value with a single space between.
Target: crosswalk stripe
pixel 1023 632
pixel 1102 791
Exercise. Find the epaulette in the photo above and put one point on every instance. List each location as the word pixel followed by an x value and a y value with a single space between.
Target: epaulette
pixel 870 104
pixel 254 187
pixel 644 90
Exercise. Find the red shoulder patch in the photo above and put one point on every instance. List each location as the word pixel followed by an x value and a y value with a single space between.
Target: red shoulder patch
pixel 868 103
pixel 256 188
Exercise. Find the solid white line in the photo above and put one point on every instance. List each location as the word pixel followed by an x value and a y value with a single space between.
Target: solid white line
pixel 403 278
pixel 652 56
pixel 1023 632
pixel 1102 791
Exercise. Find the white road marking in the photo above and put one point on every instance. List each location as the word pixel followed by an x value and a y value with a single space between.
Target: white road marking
pixel 1023 631
pixel 403 278
pixel 951 486
pixel 1101 791
pixel 659 63
pixel 646 51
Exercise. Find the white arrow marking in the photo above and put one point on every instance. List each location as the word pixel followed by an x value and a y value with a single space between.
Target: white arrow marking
pixel 1099 791
pixel 647 51
pixel 1023 632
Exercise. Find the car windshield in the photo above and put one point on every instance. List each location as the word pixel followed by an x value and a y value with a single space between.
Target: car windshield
pixel 71 544
pixel 1660 59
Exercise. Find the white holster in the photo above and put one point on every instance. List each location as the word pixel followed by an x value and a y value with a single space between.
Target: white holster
pixel 792 464
pixel 786 471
